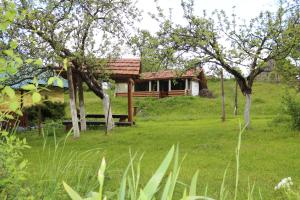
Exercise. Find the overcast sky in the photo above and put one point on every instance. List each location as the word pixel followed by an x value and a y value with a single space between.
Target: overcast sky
pixel 245 9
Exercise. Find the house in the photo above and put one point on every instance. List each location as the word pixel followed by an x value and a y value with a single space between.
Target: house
pixel 158 84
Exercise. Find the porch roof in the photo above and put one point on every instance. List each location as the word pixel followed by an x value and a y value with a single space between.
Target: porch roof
pixel 172 74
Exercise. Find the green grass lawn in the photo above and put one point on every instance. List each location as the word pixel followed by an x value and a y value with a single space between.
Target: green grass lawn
pixel 270 149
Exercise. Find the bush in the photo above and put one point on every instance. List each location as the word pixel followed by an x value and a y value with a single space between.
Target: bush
pixel 12 167
pixel 292 108
pixel 49 111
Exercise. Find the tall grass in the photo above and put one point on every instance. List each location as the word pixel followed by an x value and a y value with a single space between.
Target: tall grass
pixel 162 183
pixel 77 170
pixel 59 165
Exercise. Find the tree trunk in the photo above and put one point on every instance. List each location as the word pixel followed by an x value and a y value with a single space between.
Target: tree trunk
pixel 236 99
pixel 223 96
pixel 73 103
pixel 81 105
pixel 247 110
pixel 107 112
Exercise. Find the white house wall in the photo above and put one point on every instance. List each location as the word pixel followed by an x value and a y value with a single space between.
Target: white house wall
pixel 121 87
pixel 194 88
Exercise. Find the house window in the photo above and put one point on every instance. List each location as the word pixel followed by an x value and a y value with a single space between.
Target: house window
pixel 141 86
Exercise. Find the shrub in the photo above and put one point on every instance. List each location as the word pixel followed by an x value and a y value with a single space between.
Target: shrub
pixel 292 108
pixel 49 111
pixel 12 167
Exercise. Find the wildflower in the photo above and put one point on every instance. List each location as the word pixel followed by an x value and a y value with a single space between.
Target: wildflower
pixel 285 183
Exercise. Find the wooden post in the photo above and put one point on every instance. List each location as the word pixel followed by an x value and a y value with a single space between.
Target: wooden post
pixel 236 99
pixel 73 103
pixel 169 88
pixel 157 88
pixel 150 86
pixel 130 103
pixel 81 104
pixel 223 96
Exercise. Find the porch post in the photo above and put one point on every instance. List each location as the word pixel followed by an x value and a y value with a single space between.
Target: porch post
pixel 157 85
pixel 150 86
pixel 186 84
pixel 129 94
pixel 169 89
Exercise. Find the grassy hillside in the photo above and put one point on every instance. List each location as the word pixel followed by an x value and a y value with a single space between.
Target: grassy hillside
pixel 270 150
pixel 266 101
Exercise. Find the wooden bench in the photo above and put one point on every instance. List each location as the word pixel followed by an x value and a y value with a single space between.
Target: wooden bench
pixel 122 121
pixel 121 117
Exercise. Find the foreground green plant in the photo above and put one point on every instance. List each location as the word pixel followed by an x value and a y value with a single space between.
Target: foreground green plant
pixel 130 187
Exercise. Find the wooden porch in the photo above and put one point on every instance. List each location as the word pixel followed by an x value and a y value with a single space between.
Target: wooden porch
pixel 157 94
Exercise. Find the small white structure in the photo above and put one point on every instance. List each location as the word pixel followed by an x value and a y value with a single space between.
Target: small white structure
pixel 194 88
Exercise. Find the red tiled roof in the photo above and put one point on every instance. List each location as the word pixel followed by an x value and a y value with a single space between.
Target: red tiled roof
pixel 169 74
pixel 124 66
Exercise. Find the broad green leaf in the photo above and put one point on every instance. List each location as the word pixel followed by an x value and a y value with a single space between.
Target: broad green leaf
pixel 2 61
pixel 65 63
pixel 38 62
pixel 9 92
pixel 122 192
pixel 101 177
pixel 9 116
pixel 101 171
pixel 13 44
pixel 29 87
pixel 74 195
pixel 4 133
pixel 13 106
pixel 11 14
pixel 51 80
pixel 36 97
pixel 193 186
pixel 3 26
pixel 9 52
pixel 28 61
pixel 19 112
pixel 22 164
pixel 60 83
pixel 19 60
pixel 165 195
pixel 153 184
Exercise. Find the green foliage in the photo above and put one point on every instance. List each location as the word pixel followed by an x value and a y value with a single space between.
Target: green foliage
pixel 289 73
pixel 49 110
pixel 130 187
pixel 12 167
pixel 292 108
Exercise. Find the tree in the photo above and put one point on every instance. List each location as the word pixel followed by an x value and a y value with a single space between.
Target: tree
pixel 76 32
pixel 229 43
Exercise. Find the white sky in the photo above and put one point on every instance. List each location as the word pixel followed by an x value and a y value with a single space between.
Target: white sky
pixel 243 8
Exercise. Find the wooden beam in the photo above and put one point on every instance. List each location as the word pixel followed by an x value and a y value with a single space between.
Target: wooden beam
pixel 73 103
pixel 81 104
pixel 130 103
